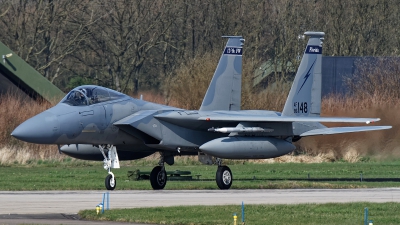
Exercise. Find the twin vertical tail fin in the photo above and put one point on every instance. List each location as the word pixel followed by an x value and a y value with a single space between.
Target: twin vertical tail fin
pixel 305 95
pixel 224 92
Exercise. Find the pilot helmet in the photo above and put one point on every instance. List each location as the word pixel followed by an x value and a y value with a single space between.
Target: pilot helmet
pixel 84 91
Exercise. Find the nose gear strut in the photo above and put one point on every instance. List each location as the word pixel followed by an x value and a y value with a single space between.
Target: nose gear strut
pixel 110 161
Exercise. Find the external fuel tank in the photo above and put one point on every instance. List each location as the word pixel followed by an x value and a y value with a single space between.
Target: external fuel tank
pixel 247 147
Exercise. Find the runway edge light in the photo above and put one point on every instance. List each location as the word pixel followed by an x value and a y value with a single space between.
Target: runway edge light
pixel 98 208
pixel 234 218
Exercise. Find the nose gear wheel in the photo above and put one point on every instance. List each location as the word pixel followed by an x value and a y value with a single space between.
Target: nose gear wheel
pixel 110 182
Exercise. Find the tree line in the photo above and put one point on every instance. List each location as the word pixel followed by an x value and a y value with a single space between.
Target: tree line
pixel 132 45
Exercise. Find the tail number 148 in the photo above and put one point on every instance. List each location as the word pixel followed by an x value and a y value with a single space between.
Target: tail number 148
pixel 300 107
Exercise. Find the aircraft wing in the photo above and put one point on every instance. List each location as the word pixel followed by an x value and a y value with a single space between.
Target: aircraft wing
pixel 136 117
pixel 260 118
pixel 143 122
pixel 341 130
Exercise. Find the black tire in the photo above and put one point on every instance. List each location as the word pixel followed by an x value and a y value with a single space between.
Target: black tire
pixel 224 177
pixel 110 185
pixel 158 178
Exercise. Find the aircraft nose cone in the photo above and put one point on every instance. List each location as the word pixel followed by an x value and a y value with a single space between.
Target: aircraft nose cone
pixel 41 129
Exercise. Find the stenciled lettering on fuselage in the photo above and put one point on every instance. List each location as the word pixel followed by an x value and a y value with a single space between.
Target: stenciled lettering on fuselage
pixel 233 51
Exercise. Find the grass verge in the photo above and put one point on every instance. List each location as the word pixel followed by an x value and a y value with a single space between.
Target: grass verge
pixel 49 175
pixel 332 213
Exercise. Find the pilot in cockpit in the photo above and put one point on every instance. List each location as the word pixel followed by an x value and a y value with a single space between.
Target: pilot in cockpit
pixel 80 96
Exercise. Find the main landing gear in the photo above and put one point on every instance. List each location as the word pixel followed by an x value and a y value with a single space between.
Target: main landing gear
pixel 223 177
pixel 110 161
pixel 158 176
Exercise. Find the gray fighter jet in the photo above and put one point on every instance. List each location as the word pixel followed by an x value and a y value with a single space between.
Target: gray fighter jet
pixel 96 123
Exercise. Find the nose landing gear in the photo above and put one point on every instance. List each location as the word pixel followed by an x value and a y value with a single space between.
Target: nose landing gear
pixel 111 161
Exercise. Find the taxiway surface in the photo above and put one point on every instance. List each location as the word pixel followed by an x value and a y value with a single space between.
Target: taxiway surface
pixel 21 203
pixel 68 202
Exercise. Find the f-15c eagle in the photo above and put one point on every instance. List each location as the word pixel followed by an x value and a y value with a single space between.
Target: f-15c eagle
pixel 96 123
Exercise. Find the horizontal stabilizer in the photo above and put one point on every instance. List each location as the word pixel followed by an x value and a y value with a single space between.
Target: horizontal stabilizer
pixel 260 118
pixel 341 130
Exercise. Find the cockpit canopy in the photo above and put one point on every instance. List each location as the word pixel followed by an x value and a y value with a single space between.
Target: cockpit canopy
pixel 90 94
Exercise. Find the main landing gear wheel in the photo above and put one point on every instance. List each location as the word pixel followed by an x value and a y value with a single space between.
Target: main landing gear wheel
pixel 224 177
pixel 158 178
pixel 111 182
